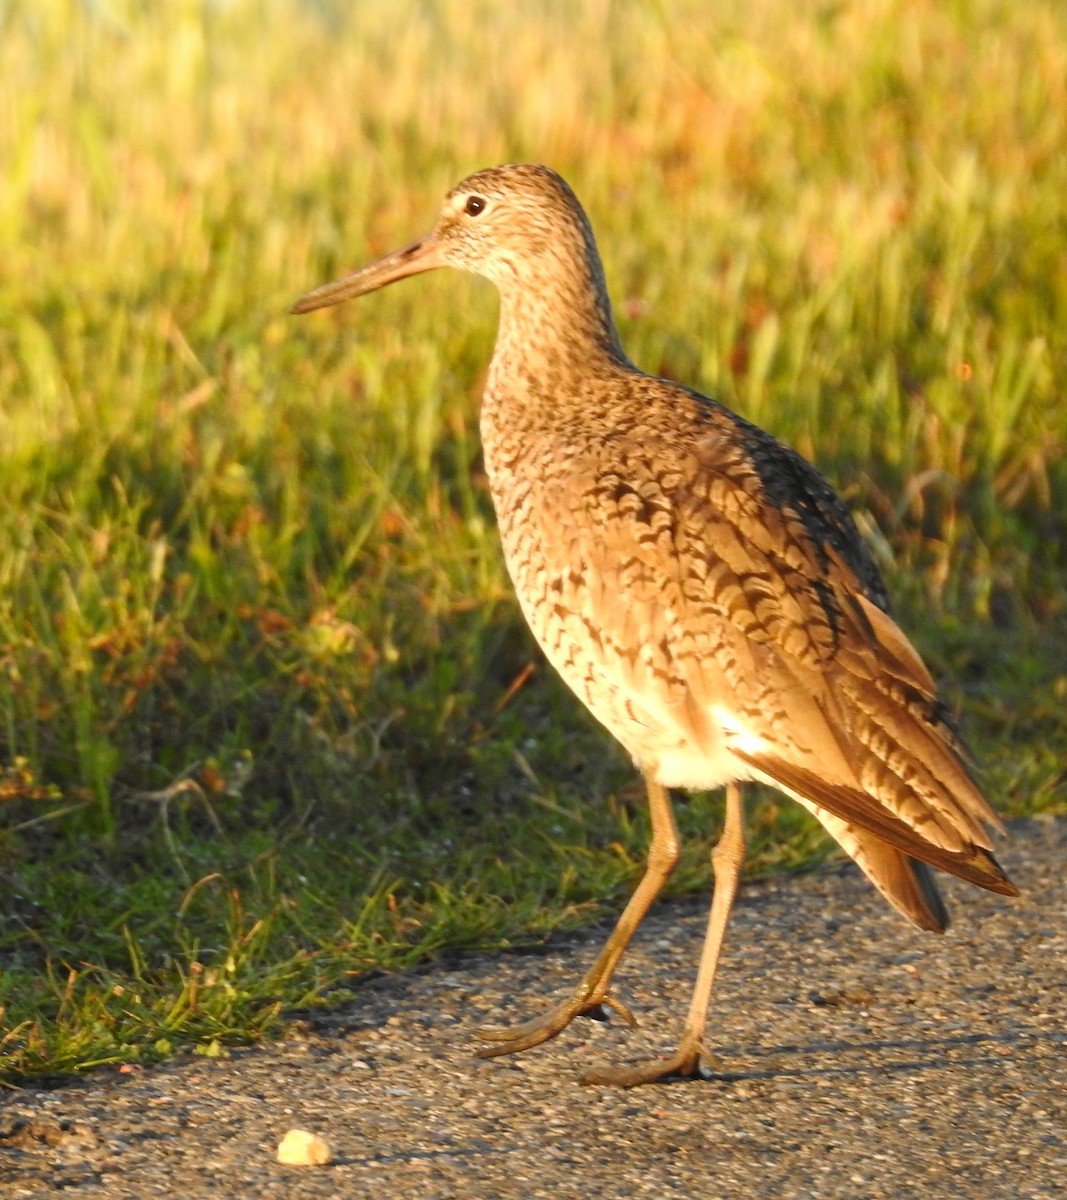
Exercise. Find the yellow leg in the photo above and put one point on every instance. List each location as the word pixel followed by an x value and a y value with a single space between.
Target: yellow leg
pixel 726 858
pixel 593 992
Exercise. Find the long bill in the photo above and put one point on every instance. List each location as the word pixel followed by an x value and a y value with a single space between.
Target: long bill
pixel 424 254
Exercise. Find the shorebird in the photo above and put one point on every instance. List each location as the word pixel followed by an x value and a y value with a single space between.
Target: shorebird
pixel 699 586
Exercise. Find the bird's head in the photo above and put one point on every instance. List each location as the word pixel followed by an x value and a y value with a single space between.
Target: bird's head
pixel 515 224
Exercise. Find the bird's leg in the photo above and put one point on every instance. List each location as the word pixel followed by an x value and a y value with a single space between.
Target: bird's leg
pixel 592 993
pixel 726 858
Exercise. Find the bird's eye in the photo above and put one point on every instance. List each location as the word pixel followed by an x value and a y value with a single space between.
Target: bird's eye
pixel 474 205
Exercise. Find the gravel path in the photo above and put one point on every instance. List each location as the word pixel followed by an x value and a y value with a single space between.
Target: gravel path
pixel 859 1058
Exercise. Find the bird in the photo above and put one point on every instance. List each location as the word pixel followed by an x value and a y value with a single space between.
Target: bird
pixel 700 587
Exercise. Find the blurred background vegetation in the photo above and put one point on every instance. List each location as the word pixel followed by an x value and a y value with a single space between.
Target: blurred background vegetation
pixel 269 717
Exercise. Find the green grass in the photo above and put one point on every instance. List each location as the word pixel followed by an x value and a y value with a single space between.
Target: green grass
pixel 264 720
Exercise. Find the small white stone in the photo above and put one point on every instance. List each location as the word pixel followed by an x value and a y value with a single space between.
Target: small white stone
pixel 302 1149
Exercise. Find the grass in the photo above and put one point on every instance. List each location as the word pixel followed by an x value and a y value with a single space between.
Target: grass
pixel 266 716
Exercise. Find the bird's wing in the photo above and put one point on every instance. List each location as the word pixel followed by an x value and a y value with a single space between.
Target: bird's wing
pixel 727 589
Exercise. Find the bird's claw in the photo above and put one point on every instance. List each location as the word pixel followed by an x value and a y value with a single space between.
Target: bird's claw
pixel 512 1039
pixel 624 1010
pixel 683 1064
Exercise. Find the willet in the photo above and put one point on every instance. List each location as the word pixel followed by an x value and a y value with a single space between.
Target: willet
pixel 699 586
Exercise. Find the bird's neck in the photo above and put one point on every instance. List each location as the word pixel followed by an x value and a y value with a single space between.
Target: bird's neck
pixel 554 331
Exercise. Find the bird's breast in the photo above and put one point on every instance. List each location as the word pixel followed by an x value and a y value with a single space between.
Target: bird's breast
pixel 605 617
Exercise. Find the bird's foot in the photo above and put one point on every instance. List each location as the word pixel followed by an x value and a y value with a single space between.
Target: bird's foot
pixel 512 1039
pixel 684 1063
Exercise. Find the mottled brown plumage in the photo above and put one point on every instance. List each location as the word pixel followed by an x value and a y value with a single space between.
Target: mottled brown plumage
pixel 699 586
